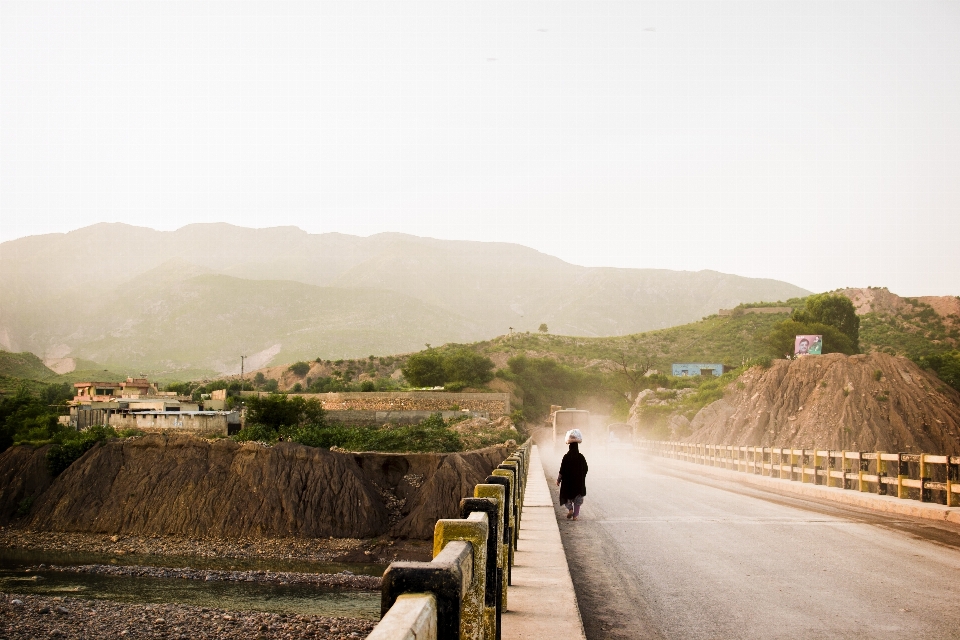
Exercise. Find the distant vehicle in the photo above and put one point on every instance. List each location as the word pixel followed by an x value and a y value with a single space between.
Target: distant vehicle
pixel 566 419
pixel 619 435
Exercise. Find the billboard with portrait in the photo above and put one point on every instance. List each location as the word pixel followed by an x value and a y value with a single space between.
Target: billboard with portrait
pixel 808 345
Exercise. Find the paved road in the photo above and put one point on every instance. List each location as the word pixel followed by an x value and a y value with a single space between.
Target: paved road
pixel 660 553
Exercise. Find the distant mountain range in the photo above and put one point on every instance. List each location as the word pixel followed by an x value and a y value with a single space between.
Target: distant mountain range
pixel 195 299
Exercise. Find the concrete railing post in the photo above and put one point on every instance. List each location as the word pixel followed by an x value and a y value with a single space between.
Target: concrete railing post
pixel 881 474
pixel 498 493
pixel 448 577
pixel 413 616
pixel 507 534
pixel 490 507
pixel 473 530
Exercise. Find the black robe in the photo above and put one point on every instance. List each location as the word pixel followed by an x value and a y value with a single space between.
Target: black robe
pixel 573 474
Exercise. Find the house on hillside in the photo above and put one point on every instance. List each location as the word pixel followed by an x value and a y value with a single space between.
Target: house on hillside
pixel 699 369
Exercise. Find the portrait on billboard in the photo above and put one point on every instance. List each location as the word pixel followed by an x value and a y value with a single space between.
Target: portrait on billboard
pixel 808 345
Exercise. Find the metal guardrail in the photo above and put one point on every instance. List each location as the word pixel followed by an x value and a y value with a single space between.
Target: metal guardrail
pixel 462 592
pixel 917 476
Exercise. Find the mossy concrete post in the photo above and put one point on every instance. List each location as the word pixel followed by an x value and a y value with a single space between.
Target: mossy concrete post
pixel 497 491
pixel 492 508
pixel 507 535
pixel 511 465
pixel 510 475
pixel 521 473
pixel 473 530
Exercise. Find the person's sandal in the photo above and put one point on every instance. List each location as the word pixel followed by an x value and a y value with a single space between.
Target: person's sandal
pixel 569 515
pixel 574 517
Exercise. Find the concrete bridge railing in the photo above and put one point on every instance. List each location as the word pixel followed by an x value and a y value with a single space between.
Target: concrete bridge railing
pixel 918 476
pixel 462 592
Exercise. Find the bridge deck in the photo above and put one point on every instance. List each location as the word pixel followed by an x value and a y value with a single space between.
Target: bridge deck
pixel 663 553
pixel 542 601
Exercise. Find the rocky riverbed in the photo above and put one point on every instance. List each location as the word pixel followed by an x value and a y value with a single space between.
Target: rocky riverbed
pixel 26 617
pixel 319 550
pixel 342 580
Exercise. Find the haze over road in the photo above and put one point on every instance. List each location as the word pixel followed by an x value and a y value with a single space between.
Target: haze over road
pixel 660 553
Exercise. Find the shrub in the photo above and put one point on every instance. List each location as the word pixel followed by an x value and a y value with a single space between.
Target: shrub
pixel 368 385
pixel 832 310
pixel 781 339
pixel 256 433
pixel 300 369
pixel 425 369
pixel 73 445
pixel 278 410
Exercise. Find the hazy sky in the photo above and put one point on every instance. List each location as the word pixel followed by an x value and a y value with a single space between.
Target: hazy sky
pixel 813 142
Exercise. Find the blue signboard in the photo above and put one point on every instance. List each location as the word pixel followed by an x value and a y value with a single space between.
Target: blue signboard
pixel 697 369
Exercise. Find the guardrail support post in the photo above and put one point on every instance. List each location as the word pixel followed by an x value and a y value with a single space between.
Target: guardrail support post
pixel 497 491
pixel 951 480
pixel 444 577
pixel 861 471
pixel 902 472
pixel 507 534
pixel 924 491
pixel 491 612
pixel 475 531
pixel 881 474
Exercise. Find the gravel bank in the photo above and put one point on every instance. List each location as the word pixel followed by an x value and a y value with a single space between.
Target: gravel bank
pixel 382 550
pixel 63 617
pixel 344 580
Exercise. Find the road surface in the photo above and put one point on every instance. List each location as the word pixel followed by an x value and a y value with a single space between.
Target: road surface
pixel 661 553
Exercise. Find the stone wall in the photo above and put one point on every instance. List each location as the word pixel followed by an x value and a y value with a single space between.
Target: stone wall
pixel 494 405
pixel 202 424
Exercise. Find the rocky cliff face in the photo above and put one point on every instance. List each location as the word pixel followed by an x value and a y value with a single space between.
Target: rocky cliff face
pixel 186 486
pixel 23 477
pixel 873 402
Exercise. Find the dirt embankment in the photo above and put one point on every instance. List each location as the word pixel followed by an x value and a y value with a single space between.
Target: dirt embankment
pixel 179 485
pixel 873 402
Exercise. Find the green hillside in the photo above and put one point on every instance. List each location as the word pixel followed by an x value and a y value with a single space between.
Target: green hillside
pixel 196 299
pixel 24 365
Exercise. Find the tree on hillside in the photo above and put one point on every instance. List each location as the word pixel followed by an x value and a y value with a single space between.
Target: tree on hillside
pixel 425 369
pixel 781 339
pixel 278 410
pixel 433 368
pixel 467 367
pixel 833 310
pixel 543 328
pixel 300 369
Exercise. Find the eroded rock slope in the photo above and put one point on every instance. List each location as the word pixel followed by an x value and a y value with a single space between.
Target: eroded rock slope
pixel 872 402
pixel 186 486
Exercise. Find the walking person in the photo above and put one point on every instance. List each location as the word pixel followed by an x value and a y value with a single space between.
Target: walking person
pixel 573 476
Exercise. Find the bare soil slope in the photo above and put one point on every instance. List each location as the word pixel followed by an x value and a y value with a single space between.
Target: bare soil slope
pixel 185 486
pixel 873 402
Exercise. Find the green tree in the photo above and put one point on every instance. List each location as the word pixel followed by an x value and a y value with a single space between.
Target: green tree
pixel 833 310
pixel 259 379
pixel 543 328
pixel 781 339
pixel 947 366
pixel 278 410
pixel 300 369
pixel 425 369
pixel 467 367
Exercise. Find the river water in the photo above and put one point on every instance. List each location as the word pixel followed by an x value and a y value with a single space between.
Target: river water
pixel 238 596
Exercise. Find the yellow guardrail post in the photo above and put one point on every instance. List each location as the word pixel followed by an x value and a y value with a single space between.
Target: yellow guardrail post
pixel 861 483
pixel 924 492
pixel 843 469
pixel 901 476
pixel 881 474
pixel 951 476
pixel 473 530
pixel 816 466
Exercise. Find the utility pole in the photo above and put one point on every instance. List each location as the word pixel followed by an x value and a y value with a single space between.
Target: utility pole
pixel 241 371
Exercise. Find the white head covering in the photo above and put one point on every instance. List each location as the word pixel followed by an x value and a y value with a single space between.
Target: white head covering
pixel 574 435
